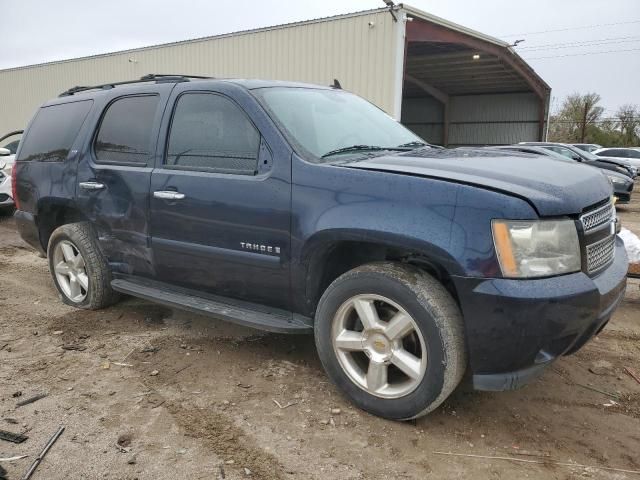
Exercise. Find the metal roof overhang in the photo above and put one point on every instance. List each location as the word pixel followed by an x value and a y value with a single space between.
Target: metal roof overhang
pixel 455 60
pixel 443 59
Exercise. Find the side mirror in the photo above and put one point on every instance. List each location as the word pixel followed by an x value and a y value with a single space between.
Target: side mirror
pixel 5 152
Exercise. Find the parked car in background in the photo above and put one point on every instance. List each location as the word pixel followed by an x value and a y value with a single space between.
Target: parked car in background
pixel 587 147
pixel 534 150
pixel 11 140
pixel 6 197
pixel 619 165
pixel 8 148
pixel 622 184
pixel 632 155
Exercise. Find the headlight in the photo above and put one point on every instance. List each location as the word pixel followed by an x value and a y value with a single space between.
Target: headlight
pixel 616 180
pixel 536 248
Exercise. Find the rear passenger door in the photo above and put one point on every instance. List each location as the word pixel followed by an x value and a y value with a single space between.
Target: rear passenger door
pixel 220 204
pixel 114 172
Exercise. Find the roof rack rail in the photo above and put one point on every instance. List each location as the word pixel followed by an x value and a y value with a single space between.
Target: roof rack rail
pixel 152 77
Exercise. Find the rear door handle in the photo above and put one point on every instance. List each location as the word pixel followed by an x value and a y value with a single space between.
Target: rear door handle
pixel 168 195
pixel 91 185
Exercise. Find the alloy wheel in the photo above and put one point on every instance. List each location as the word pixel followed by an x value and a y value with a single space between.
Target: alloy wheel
pixel 379 346
pixel 70 271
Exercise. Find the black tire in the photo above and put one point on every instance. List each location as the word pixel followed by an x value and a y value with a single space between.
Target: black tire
pixel 434 311
pixel 99 293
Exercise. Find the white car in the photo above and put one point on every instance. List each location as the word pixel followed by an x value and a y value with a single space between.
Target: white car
pixel 632 155
pixel 8 147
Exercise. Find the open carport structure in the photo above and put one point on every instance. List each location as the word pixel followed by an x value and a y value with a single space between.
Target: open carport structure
pixel 450 84
pixel 465 88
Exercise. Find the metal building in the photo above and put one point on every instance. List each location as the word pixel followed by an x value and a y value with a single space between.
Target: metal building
pixel 450 84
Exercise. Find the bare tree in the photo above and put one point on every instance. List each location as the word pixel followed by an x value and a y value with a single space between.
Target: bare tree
pixel 577 114
pixel 628 117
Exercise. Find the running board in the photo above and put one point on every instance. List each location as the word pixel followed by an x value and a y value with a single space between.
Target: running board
pixel 243 313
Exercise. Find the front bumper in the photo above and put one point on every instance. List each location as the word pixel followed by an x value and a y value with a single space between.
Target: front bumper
pixel 5 191
pixel 515 328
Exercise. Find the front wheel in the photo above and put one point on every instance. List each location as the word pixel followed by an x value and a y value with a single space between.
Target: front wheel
pixel 79 270
pixel 391 338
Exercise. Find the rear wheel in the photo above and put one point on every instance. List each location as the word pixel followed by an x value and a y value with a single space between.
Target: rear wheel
pixel 391 337
pixel 79 270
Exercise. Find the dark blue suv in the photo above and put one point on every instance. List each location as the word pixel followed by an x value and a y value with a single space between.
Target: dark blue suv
pixel 296 208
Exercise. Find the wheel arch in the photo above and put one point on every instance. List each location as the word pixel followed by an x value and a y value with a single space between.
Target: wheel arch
pixel 52 213
pixel 329 254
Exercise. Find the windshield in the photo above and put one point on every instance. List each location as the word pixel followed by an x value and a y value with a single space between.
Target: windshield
pixel 324 121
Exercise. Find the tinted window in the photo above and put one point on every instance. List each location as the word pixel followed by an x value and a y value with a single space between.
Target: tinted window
pixel 210 132
pixel 620 152
pixel 613 152
pixel 53 131
pixel 125 132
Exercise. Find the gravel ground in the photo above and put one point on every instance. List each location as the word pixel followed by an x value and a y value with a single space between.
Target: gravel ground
pixel 147 392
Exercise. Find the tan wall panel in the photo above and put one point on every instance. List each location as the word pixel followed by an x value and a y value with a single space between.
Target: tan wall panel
pixel 347 48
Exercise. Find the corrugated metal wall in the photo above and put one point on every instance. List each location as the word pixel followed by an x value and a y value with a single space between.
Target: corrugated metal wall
pixel 361 56
pixel 424 116
pixel 495 119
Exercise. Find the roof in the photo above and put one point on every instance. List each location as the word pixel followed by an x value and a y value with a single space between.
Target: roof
pixel 90 91
pixel 411 11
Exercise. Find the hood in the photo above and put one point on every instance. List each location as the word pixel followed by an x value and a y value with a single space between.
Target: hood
pixel 616 160
pixel 552 187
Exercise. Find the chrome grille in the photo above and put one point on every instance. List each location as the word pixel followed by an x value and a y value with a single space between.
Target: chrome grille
pixel 601 253
pixel 597 217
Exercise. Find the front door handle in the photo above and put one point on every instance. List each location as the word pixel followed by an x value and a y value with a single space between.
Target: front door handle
pixel 168 195
pixel 91 185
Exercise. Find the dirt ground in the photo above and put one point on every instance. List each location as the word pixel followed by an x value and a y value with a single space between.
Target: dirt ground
pixel 147 392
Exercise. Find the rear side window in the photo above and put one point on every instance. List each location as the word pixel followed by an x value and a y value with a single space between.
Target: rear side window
pixel 209 132
pixel 124 135
pixel 53 132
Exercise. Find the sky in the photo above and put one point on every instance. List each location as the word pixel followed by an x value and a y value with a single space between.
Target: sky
pixel 563 38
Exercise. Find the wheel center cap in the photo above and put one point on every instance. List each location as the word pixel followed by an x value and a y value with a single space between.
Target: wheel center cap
pixel 379 347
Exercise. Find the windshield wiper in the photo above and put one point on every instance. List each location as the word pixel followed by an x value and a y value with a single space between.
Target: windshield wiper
pixel 414 144
pixel 358 148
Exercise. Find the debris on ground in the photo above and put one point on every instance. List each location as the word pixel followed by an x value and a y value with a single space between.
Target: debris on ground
pixel 33 399
pixel 12 437
pixel 42 454
pixel 632 374
pixel 13 459
pixel 602 367
pixel 281 407
pixel 123 444
pixel 154 373
pixel 540 462
pixel 74 347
